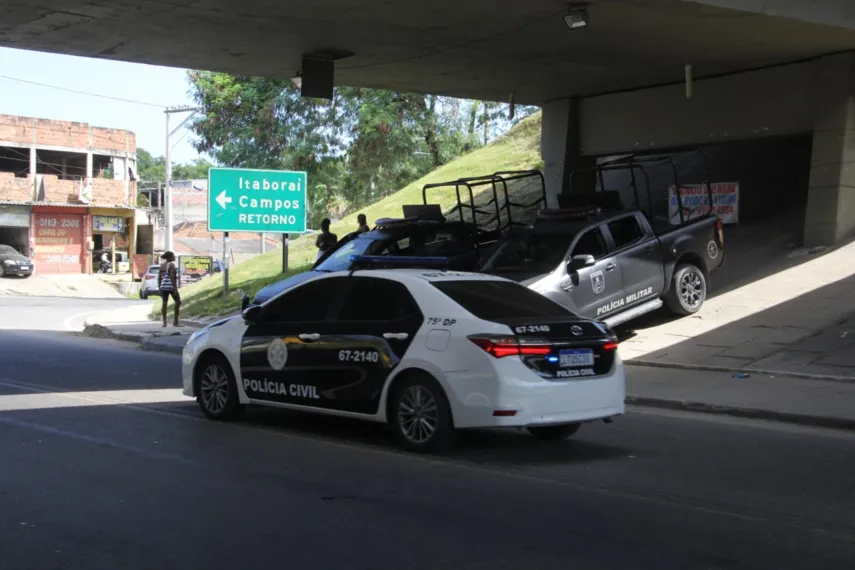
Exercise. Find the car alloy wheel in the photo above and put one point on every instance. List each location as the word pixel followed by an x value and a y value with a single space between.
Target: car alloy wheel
pixel 418 415
pixel 214 389
pixel 692 289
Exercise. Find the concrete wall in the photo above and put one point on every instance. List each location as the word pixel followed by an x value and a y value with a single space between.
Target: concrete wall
pixel 49 188
pixel 113 192
pixel 15 189
pixel 772 102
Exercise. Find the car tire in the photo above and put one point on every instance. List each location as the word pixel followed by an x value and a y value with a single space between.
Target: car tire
pixel 420 416
pixel 688 290
pixel 143 294
pixel 554 433
pixel 216 389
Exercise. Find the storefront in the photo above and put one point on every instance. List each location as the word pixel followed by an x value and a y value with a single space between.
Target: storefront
pixel 15 227
pixel 59 237
pixel 113 233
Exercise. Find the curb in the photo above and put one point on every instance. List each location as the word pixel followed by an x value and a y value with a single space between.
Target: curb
pixel 751 413
pixel 146 342
pixel 761 371
pixel 152 344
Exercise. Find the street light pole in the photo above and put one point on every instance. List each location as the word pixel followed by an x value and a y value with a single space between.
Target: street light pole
pixel 167 191
pixel 170 241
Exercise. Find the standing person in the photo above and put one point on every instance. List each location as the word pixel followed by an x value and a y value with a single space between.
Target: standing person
pixel 362 224
pixel 168 284
pixel 326 240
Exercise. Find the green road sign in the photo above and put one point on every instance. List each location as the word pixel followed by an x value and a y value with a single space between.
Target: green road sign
pixel 245 200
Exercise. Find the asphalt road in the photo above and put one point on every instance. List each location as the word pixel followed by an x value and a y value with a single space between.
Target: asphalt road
pixel 54 313
pixel 104 466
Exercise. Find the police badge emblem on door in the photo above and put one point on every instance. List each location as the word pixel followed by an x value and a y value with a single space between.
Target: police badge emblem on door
pixel 598 282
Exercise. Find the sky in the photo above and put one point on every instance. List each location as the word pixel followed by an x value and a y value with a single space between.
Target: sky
pixel 163 86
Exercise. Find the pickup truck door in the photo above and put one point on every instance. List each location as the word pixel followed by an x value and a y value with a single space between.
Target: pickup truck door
pixel 640 257
pixel 595 290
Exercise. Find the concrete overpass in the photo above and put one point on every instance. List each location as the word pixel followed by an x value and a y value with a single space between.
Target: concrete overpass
pixel 762 69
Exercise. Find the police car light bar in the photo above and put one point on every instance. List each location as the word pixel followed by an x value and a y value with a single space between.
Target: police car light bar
pixel 399 260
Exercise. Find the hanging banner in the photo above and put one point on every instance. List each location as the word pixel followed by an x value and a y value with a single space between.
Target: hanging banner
pixel 108 224
pixel 696 202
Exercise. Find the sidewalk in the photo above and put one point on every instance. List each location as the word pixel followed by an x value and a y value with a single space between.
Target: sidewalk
pixel 133 325
pixel 780 398
pixel 799 321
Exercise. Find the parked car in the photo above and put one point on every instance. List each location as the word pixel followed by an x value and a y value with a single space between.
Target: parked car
pixel 460 242
pixel 426 352
pixel 13 263
pixel 611 266
pixel 149 285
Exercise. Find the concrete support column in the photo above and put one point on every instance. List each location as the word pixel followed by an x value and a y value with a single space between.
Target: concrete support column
pixel 89 163
pixel 560 148
pixel 830 216
pixel 33 172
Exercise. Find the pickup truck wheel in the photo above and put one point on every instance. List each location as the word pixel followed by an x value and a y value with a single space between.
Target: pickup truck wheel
pixel 688 290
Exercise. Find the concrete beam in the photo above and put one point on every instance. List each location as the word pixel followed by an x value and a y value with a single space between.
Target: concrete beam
pixel 837 13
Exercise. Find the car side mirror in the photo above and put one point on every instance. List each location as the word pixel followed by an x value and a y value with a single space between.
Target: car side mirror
pixel 252 315
pixel 578 262
pixel 244 302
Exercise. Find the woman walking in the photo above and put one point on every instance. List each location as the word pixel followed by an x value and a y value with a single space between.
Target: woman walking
pixel 168 283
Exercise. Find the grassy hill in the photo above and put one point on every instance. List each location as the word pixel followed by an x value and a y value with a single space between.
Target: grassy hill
pixel 518 149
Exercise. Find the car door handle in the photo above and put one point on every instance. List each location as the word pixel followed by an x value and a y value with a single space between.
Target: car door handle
pixel 396 336
pixel 610 267
pixel 311 336
pixel 648 251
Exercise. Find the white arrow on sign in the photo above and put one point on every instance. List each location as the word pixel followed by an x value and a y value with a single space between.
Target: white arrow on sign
pixel 222 199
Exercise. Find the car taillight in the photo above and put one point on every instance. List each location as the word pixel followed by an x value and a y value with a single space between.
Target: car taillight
pixel 719 228
pixel 610 346
pixel 149 276
pixel 502 346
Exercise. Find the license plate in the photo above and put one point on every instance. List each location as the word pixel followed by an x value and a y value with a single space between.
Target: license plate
pixel 25 267
pixel 576 357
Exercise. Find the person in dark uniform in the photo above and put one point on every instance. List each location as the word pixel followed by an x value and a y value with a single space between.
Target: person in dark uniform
pixel 326 239
pixel 362 224
pixel 168 285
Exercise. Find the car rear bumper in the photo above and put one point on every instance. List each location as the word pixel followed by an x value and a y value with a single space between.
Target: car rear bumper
pixel 508 394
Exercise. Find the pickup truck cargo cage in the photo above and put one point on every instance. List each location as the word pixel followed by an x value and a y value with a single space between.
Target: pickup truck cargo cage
pixel 637 167
pixel 495 214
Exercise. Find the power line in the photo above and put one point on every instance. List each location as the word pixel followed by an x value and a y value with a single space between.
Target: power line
pixel 82 92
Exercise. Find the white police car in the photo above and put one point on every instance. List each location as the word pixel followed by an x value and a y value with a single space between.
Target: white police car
pixel 427 351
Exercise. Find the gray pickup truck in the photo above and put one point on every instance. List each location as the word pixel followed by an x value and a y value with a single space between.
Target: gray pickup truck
pixel 611 266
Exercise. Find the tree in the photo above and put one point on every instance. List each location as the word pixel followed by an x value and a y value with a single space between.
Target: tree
pixel 153 169
pixel 357 148
pixel 149 168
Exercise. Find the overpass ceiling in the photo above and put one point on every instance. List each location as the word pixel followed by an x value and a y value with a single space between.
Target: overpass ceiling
pixel 472 48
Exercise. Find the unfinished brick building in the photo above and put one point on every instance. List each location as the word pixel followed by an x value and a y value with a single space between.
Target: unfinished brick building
pixel 67 190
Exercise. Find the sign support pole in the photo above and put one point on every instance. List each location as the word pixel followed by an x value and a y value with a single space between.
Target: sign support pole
pixel 284 253
pixel 225 265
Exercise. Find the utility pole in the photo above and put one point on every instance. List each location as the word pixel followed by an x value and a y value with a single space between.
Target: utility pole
pixel 168 190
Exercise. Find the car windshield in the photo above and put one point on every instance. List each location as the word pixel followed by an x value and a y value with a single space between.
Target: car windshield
pixel 153 269
pixel 7 250
pixel 339 260
pixel 529 252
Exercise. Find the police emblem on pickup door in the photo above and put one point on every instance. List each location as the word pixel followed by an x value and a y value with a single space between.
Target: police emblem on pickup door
pixel 712 250
pixel 598 282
